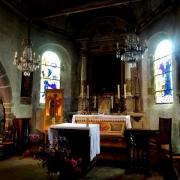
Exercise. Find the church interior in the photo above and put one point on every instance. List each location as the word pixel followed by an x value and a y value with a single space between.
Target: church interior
pixel 99 73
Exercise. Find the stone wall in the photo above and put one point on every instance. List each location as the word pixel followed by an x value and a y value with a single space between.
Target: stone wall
pixel 167 26
pixel 13 30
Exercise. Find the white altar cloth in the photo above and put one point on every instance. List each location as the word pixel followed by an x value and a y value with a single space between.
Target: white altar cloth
pixel 94 133
pixel 103 117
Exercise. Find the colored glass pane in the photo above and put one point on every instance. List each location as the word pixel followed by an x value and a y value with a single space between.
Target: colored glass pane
pixel 163 73
pixel 50 73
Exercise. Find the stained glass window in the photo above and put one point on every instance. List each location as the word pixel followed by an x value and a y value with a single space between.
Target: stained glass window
pixel 163 72
pixel 50 73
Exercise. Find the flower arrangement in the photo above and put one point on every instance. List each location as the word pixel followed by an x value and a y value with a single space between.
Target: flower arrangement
pixel 58 159
pixel 35 137
pixel 35 141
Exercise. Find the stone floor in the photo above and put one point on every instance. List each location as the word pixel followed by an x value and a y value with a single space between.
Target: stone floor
pixel 176 164
pixel 28 168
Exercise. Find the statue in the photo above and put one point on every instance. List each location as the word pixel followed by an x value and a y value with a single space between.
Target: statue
pixel 53 106
pixel 2 116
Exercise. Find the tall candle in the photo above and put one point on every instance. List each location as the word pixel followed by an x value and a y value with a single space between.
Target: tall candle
pixel 94 102
pixel 118 90
pixel 15 54
pixel 82 91
pixel 88 91
pixel 111 102
pixel 124 90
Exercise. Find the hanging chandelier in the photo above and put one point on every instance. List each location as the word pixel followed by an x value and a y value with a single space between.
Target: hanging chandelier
pixel 130 47
pixel 29 61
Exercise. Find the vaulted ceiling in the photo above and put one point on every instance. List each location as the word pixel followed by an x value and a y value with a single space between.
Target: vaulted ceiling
pixel 70 16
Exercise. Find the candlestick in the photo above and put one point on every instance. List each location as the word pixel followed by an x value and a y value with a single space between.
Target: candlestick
pixel 118 88
pixel 111 102
pixel 94 102
pixel 15 54
pixel 88 91
pixel 82 91
pixel 124 90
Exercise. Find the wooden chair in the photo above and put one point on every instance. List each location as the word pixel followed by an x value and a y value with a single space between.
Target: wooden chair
pixel 7 142
pixel 165 129
pixel 139 149
pixel 162 140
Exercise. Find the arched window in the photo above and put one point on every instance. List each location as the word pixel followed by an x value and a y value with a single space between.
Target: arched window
pixel 163 72
pixel 50 73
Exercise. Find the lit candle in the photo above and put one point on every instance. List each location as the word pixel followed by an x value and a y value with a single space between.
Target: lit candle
pixel 118 90
pixel 111 102
pixel 124 90
pixel 15 58
pixel 117 45
pixel 94 102
pixel 88 91
pixel 82 91
pixel 15 54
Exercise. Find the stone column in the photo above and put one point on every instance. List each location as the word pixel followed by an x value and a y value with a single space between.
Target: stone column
pixel 128 100
pixel 136 91
pixel 83 75
pixel 128 78
pixel 8 115
pixel 83 84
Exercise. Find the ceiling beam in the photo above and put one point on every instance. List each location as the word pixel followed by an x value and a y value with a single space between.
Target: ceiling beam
pixel 155 15
pixel 14 8
pixel 88 7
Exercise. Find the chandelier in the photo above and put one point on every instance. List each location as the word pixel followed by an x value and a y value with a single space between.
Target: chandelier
pixel 130 48
pixel 29 61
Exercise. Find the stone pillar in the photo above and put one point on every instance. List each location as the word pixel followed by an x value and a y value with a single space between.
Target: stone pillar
pixel 8 115
pixel 129 101
pixel 136 89
pixel 83 84
pixel 83 74
pixel 128 79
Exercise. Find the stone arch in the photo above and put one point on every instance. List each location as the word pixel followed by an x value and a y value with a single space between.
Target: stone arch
pixel 154 40
pixel 6 94
pixel 66 64
pixel 59 50
pixel 152 44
